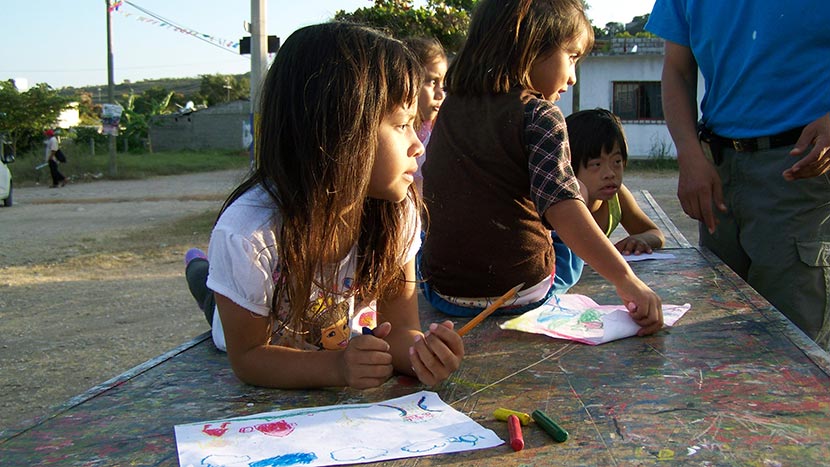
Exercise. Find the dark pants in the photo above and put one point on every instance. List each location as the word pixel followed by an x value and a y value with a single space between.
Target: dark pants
pixel 776 235
pixel 196 275
pixel 57 176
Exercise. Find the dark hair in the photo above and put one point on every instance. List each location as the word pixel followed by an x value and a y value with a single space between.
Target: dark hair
pixel 323 100
pixel 427 49
pixel 592 131
pixel 505 39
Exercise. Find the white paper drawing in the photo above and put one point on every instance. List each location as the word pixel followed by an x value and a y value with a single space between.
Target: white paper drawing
pixel 578 318
pixel 416 425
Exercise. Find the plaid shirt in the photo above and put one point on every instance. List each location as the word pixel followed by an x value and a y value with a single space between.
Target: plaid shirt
pixel 546 136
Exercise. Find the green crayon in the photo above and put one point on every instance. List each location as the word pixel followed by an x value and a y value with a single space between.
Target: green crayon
pixel 555 431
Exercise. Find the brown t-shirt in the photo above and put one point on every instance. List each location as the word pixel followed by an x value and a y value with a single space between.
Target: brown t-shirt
pixel 496 164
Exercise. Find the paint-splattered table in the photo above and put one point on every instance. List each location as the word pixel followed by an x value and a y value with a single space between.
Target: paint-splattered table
pixel 733 383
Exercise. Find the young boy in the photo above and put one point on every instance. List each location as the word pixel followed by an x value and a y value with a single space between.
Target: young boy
pixel 599 154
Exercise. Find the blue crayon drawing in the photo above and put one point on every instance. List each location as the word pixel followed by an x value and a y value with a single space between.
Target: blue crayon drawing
pixel 298 458
pixel 358 454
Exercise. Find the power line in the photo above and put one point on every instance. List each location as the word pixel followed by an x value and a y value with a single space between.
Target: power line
pixel 180 28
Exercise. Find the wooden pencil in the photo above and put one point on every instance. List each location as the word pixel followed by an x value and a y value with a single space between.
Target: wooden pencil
pixel 490 309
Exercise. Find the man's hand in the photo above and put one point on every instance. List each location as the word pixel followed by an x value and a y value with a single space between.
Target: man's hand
pixel 817 161
pixel 699 188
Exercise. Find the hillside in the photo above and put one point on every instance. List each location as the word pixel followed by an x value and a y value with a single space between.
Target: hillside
pixel 186 86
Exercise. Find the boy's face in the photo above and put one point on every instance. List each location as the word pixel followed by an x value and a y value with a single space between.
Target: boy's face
pixel 432 92
pixel 395 164
pixel 551 74
pixel 603 175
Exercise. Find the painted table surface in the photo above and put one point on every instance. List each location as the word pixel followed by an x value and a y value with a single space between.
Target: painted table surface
pixel 732 383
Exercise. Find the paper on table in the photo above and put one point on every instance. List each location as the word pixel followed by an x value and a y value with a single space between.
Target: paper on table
pixel 578 318
pixel 647 256
pixel 416 425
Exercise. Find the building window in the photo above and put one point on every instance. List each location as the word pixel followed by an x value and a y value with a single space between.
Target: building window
pixel 638 101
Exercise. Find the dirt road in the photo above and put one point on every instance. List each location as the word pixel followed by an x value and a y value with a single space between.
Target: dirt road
pixel 92 283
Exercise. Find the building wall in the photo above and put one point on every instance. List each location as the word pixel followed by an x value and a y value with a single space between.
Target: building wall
pixel 218 127
pixel 69 117
pixel 595 79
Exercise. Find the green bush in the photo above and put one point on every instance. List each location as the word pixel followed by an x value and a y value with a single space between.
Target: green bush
pixel 82 165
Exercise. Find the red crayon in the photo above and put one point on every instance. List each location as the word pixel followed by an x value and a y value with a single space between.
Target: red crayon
pixel 514 427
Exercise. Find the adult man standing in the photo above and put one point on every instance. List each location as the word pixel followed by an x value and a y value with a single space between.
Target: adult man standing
pixel 51 150
pixel 755 172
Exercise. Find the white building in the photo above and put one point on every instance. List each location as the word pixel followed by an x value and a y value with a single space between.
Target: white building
pixel 623 75
pixel 69 117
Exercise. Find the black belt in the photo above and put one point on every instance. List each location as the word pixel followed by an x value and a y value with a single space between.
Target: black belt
pixel 787 138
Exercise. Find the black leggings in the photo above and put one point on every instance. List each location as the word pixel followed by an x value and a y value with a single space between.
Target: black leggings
pixel 196 274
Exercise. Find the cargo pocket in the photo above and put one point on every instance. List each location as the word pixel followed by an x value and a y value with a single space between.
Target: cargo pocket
pixel 817 254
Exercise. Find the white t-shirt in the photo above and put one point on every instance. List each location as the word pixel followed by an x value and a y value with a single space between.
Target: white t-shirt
pixel 51 146
pixel 244 266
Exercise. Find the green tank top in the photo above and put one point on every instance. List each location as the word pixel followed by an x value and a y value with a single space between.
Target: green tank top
pixel 614 214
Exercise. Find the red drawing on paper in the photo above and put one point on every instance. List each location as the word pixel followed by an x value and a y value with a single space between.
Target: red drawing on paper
pixel 223 428
pixel 279 428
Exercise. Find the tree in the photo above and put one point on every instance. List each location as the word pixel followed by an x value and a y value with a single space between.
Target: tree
pixel 24 115
pixel 148 101
pixel 89 112
pixel 613 28
pixel 445 20
pixel 637 26
pixel 216 89
pixel 137 123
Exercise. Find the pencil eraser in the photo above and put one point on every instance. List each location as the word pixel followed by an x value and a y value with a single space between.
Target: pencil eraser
pixel 502 414
pixel 555 431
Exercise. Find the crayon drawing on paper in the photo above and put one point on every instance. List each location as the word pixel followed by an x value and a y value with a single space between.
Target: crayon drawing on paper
pixel 416 425
pixel 578 318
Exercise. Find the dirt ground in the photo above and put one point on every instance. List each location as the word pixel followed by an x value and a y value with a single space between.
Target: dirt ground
pixel 92 279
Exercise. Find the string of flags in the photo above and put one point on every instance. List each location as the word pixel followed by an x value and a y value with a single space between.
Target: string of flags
pixel 230 45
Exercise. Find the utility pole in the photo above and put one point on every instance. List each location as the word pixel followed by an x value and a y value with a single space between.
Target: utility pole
pixel 113 168
pixel 259 62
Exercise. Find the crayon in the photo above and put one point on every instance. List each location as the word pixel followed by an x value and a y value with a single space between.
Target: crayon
pixel 555 431
pixel 502 414
pixel 514 427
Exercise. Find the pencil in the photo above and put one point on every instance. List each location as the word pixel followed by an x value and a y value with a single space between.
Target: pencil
pixel 490 309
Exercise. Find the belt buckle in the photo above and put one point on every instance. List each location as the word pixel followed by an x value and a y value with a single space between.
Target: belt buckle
pixel 749 144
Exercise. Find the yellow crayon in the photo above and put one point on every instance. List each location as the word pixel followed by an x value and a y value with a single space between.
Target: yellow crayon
pixel 502 414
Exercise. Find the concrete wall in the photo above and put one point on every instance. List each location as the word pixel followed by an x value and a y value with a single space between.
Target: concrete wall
pixel 217 127
pixel 595 79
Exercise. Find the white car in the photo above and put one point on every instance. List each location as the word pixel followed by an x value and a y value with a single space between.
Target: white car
pixel 6 180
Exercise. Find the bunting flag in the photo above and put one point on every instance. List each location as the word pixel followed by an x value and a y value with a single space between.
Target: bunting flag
pixel 156 20
pixel 115 5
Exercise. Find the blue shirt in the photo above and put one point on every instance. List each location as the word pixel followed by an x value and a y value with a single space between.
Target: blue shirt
pixel 766 63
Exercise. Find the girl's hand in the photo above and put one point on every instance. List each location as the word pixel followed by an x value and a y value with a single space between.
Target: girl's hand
pixel 437 354
pixel 633 245
pixel 644 306
pixel 367 362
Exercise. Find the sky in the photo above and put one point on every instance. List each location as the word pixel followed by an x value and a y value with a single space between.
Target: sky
pixel 64 42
